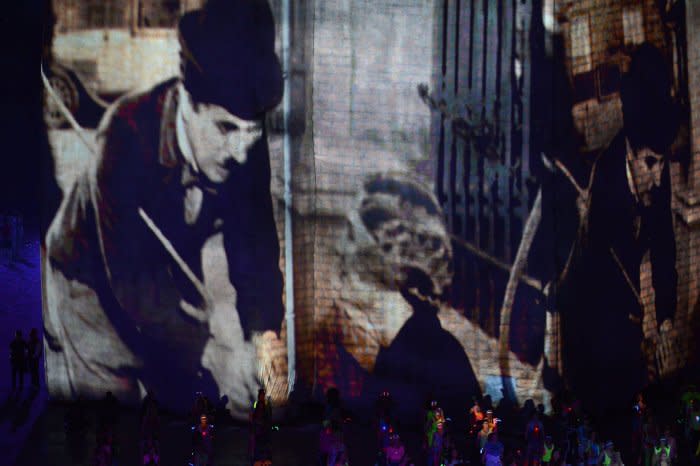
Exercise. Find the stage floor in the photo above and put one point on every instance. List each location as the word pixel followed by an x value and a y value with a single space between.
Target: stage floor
pixel 292 445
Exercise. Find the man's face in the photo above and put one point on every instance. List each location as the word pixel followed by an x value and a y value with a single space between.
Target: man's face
pixel 647 167
pixel 220 140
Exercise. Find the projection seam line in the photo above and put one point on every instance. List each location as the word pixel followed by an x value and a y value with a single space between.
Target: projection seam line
pixel 288 199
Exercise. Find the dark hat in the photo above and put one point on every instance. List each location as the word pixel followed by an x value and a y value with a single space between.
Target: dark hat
pixel 228 56
pixel 650 115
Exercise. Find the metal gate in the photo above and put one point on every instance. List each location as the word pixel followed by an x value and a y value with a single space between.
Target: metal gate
pixel 481 143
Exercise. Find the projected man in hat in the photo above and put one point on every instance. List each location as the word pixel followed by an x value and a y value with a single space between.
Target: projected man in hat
pixel 629 216
pixel 128 298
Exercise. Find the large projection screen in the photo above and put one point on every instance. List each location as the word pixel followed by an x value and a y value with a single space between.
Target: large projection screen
pixel 444 200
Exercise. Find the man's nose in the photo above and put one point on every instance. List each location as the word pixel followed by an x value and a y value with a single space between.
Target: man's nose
pixel 237 150
pixel 239 146
pixel 656 173
pixel 248 140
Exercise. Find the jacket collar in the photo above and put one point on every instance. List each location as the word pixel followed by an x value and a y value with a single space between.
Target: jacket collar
pixel 175 149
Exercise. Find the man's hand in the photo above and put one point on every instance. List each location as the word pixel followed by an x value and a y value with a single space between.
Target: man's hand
pixel 272 365
pixel 668 349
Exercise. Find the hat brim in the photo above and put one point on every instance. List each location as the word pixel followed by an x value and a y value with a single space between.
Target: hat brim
pixel 233 66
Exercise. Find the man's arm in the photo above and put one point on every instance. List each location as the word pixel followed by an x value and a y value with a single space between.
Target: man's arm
pixel 252 245
pixel 120 180
pixel 116 184
pixel 663 253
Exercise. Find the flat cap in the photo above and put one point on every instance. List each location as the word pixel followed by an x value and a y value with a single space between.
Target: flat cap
pixel 228 56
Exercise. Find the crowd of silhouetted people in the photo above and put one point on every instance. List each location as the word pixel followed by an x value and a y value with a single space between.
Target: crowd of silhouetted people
pixel 108 413
pixel 24 359
pixel 661 432
pixel 656 429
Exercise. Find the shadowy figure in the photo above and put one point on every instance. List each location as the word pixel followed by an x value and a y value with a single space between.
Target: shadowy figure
pixel 629 215
pixel 493 451
pixel 76 425
pixel 383 420
pixel 18 360
pixel 334 406
pixel 223 415
pixel 150 452
pixel 260 427
pixel 203 442
pixel 148 403
pixel 104 454
pixel 534 439
pixel 33 356
pixel 332 446
pixel 108 412
pixel 150 423
pixel 424 357
pixel 201 407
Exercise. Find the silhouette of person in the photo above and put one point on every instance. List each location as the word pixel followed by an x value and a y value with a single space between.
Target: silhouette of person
pixel 203 442
pixel 18 360
pixel 108 411
pixel 260 425
pixel 424 357
pixel 629 216
pixel 33 355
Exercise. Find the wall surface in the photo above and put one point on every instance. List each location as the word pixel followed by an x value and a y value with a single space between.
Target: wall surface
pixel 364 212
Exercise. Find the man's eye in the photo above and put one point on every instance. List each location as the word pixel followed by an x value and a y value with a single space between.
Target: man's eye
pixel 226 126
pixel 651 161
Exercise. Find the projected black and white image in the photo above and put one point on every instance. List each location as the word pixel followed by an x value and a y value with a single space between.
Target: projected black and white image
pixel 443 200
pixel 162 265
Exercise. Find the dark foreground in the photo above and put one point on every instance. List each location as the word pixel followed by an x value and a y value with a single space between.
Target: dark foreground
pixel 292 445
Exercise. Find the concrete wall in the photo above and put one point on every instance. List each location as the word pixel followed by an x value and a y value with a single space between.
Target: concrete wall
pixel 122 62
pixel 368 59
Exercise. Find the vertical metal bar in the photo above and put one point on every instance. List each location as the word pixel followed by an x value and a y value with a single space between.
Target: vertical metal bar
pixel 465 31
pixel 458 44
pixel 526 97
pixel 507 19
pixel 438 121
pixel 476 100
pixel 456 142
pixel 490 89
pixel 449 95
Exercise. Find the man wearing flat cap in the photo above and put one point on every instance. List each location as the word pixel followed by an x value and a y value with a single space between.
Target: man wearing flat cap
pixel 629 216
pixel 180 181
